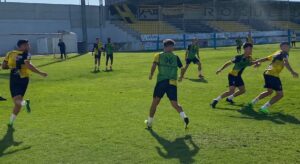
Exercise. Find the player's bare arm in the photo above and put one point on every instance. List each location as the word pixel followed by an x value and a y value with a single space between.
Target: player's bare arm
pixel 34 69
pixel 288 66
pixel 227 64
pixel 5 65
pixel 153 68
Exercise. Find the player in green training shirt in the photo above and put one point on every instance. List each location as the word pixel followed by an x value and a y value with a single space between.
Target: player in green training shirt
pixel 271 76
pixel 235 76
pixel 109 50
pixel 192 55
pixel 239 44
pixel 168 64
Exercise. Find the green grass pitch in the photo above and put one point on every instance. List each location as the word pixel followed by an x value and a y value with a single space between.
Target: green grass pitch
pixel 82 117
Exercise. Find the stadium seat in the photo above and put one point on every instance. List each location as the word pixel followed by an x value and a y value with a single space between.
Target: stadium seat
pixel 229 26
pixel 284 25
pixel 153 27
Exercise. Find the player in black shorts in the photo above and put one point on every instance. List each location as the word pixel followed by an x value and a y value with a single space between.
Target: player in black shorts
pixel 192 56
pixel 279 60
pixel 168 64
pixel 235 76
pixel 98 48
pixel 18 61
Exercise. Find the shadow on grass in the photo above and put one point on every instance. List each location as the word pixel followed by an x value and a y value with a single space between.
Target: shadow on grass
pixel 233 108
pixel 8 141
pixel 278 117
pixel 198 80
pixel 59 60
pixel 178 149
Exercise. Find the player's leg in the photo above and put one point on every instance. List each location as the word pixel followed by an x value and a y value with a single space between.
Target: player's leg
pixel 273 83
pixel 232 86
pixel 96 63
pixel 261 96
pixel 188 62
pixel 275 99
pixel 111 61
pixel 158 94
pixel 172 95
pixel 61 54
pixel 239 83
pixel 241 90
pixel 200 75
pixel 107 60
pixel 155 103
pixel 16 109
pixel 222 96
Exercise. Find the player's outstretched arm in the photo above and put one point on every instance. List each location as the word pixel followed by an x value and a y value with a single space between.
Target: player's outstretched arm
pixel 223 67
pixel 5 65
pixel 34 69
pixel 153 68
pixel 288 66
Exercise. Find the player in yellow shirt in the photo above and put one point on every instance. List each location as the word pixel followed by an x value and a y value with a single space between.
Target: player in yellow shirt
pixel 271 76
pixel 98 48
pixel 18 61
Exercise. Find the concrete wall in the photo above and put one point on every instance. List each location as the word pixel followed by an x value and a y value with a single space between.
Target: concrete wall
pixel 21 18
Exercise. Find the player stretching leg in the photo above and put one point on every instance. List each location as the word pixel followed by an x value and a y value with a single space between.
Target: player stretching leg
pixel 271 76
pixel 168 64
pixel 235 76
pixel 18 61
pixel 192 55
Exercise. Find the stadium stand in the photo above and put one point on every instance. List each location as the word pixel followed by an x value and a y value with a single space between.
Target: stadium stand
pixel 191 25
pixel 259 25
pixel 153 27
pixel 284 25
pixel 229 26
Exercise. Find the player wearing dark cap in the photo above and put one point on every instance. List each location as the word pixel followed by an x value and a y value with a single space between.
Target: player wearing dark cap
pixel 235 75
pixel 18 61
pixel 279 60
pixel 168 64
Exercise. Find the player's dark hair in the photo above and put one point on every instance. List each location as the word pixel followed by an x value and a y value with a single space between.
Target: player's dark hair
pixel 169 42
pixel 246 45
pixel 284 43
pixel 21 42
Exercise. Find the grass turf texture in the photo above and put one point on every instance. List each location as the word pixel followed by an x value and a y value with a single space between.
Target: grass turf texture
pixel 84 117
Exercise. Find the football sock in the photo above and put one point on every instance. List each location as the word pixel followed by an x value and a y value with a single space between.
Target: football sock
pixel 150 120
pixel 230 97
pixel 255 101
pixel 12 119
pixel 266 105
pixel 218 98
pixel 182 115
pixel 23 103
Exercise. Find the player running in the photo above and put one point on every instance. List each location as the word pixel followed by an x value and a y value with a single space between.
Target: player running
pixel 271 76
pixel 109 50
pixel 192 55
pixel 168 64
pixel 18 61
pixel 235 76
pixel 98 48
